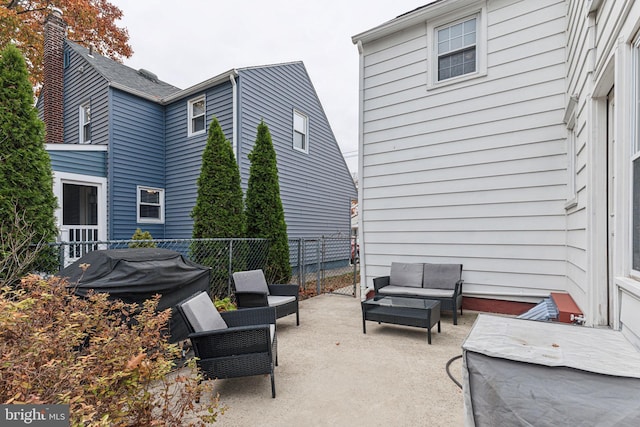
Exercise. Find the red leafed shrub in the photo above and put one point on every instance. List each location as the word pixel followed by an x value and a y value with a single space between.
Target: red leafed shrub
pixel 108 360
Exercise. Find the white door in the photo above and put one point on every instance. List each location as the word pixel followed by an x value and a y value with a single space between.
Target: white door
pixel 81 213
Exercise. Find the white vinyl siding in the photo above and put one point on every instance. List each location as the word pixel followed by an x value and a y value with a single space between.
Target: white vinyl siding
pixel 472 172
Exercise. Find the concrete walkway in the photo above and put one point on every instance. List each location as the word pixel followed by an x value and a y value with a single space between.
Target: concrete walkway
pixel 331 374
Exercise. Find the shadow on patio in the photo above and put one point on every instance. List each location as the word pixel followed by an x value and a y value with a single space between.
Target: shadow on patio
pixel 332 374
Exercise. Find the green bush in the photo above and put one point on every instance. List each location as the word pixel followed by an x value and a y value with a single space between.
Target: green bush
pixel 110 361
pixel 264 211
pixel 142 235
pixel 27 202
pixel 225 304
pixel 219 210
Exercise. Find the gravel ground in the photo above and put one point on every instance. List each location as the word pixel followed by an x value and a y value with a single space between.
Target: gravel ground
pixel 331 374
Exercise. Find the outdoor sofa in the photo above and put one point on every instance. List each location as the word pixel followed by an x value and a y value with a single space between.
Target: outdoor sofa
pixel 442 282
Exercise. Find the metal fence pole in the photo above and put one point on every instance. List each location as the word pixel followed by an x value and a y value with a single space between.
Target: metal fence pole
pixel 303 260
pixel 318 255
pixel 230 269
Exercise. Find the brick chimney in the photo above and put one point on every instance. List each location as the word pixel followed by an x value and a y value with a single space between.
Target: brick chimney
pixel 53 64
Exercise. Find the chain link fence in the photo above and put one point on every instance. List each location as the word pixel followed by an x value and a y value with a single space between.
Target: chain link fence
pixel 319 265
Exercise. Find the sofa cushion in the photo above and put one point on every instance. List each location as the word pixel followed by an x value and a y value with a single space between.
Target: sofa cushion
pixel 418 292
pixel 406 274
pixel 202 314
pixel 441 276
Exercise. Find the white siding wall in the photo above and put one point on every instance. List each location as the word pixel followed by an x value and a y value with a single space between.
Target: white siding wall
pixel 473 172
pixel 577 70
pixel 600 58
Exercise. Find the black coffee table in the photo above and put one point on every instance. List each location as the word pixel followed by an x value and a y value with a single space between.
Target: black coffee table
pixel 422 313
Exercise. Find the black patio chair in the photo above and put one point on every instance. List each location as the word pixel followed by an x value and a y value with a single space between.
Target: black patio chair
pixel 231 344
pixel 252 290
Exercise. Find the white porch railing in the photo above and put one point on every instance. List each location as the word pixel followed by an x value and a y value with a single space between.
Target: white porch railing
pixel 78 233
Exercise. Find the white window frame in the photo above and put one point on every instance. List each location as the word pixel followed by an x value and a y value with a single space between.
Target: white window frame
pixel 572 153
pixel 190 103
pixel 634 153
pixel 160 204
pixel 433 26
pixel 83 123
pixel 297 130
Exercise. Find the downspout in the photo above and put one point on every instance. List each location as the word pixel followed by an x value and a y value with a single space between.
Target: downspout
pixel 363 251
pixel 234 113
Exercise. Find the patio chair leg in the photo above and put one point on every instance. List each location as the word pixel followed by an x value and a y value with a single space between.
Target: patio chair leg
pixel 297 318
pixel 273 385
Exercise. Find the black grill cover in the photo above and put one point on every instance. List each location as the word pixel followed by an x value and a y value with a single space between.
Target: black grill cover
pixel 134 275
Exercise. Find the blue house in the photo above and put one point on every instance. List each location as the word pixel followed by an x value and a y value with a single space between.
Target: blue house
pixel 126 147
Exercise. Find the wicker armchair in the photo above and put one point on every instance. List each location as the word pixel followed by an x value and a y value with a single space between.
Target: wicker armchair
pixel 252 290
pixel 232 344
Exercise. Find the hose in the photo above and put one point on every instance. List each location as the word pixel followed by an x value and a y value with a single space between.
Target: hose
pixel 449 373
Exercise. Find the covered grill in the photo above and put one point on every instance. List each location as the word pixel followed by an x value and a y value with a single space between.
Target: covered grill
pixel 135 275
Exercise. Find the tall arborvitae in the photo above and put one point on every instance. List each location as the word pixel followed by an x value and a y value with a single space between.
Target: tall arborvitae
pixel 265 214
pixel 218 211
pixel 27 203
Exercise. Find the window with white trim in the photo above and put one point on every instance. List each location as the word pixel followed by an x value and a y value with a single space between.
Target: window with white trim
pixel 196 116
pixel 457 48
pixel 85 123
pixel 300 131
pixel 635 162
pixel 572 152
pixel 150 205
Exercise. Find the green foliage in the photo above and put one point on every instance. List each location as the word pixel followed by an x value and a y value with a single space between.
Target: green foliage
pixel 225 304
pixel 110 361
pixel 26 180
pixel 264 211
pixel 142 235
pixel 219 210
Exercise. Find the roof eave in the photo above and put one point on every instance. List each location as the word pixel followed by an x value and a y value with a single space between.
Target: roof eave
pixel 417 16
pixel 213 81
pixel 135 92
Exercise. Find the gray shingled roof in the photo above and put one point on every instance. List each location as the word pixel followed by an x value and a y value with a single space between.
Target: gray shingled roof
pixel 125 77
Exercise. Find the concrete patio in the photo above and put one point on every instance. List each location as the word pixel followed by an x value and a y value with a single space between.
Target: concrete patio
pixel 331 374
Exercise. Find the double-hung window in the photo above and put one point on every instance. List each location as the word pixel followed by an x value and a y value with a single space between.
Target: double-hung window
pixel 85 123
pixel 457 49
pixel 457 46
pixel 150 205
pixel 300 131
pixel 196 116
